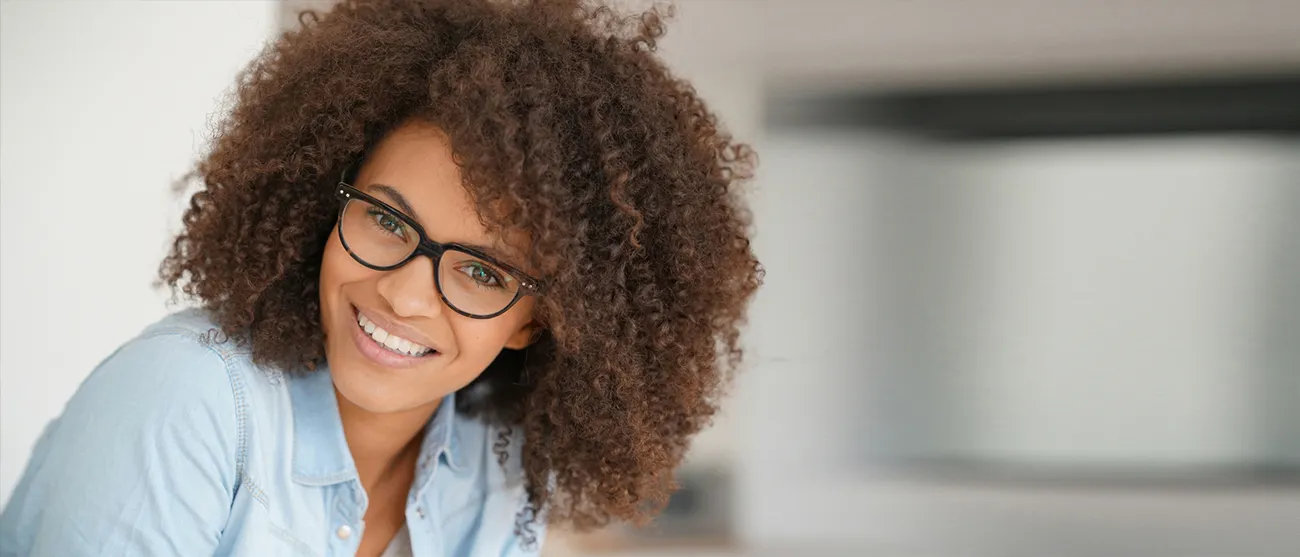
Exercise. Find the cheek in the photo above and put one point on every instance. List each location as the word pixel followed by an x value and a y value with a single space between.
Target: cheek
pixel 477 336
pixel 480 340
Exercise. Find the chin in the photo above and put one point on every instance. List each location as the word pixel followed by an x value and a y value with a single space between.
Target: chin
pixel 373 396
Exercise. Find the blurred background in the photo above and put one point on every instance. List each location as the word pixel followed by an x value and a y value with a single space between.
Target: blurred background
pixel 1033 266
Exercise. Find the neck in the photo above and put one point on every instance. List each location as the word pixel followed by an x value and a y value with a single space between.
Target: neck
pixel 383 446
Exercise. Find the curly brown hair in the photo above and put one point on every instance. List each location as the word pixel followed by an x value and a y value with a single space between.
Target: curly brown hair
pixel 568 128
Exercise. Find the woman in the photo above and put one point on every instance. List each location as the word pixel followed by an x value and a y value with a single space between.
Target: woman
pixel 464 269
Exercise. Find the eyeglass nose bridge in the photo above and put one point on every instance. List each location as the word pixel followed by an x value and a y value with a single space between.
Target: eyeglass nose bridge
pixel 434 251
pixel 430 248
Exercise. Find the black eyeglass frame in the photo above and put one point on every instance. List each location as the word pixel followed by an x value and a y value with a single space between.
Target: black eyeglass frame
pixel 528 286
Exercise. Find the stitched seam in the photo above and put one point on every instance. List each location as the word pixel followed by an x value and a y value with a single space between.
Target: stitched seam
pixel 237 390
pixel 256 491
pixel 241 418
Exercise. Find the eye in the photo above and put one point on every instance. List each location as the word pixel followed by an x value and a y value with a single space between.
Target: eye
pixel 482 274
pixel 388 222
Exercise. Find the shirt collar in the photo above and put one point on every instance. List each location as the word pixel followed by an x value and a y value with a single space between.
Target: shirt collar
pixel 440 443
pixel 440 435
pixel 320 450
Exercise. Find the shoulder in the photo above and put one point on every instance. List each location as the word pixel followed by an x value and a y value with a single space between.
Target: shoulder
pixel 174 363
pixel 153 432
pixel 175 388
pixel 196 325
pixel 166 396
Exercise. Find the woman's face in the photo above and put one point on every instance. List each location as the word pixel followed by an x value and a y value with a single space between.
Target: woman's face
pixel 414 163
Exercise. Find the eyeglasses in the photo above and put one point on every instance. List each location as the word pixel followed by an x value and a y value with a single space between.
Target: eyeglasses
pixel 470 282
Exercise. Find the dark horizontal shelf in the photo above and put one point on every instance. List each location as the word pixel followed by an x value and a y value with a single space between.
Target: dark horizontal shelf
pixel 1258 104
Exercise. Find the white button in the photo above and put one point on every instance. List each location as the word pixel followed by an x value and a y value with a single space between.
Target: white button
pixel 420 511
pixel 344 532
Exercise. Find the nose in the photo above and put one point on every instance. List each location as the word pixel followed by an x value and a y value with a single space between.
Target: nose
pixel 411 290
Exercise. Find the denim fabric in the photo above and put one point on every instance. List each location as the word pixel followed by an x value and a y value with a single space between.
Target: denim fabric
pixel 178 445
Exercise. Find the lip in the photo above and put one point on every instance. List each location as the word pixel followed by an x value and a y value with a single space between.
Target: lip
pixel 383 356
pixel 388 324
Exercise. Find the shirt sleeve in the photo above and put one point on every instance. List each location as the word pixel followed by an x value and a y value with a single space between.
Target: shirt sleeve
pixel 143 460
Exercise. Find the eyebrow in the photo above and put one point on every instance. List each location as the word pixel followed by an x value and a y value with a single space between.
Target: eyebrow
pixel 406 207
pixel 399 199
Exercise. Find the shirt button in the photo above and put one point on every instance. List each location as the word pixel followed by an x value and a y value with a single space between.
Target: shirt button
pixel 344 532
pixel 420 511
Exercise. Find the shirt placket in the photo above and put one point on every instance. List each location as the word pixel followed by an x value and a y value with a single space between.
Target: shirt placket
pixel 419 515
pixel 346 524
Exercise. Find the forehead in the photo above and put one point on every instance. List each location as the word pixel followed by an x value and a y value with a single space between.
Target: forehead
pixel 417 160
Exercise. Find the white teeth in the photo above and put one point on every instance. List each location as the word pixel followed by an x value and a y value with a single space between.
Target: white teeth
pixel 391 341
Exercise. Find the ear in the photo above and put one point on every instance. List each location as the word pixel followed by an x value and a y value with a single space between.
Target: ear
pixel 526 335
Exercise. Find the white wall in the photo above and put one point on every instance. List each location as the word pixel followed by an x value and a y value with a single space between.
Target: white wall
pixel 1122 299
pixel 1105 303
pixel 857 43
pixel 810 322
pixel 102 106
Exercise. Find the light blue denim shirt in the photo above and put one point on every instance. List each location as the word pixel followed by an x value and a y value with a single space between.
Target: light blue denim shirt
pixel 180 446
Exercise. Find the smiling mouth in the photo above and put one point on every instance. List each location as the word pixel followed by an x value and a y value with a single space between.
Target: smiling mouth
pixel 391 342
